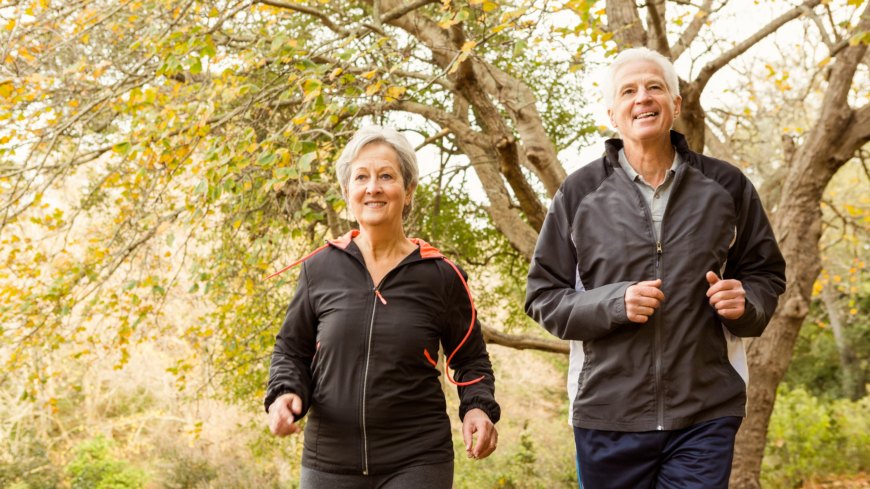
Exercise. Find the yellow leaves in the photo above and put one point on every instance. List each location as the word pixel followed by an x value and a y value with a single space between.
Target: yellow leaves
pixel 10 25
pixel 370 74
pixel 73 103
pixel 61 260
pixel 162 227
pixel 853 311
pixel 837 278
pixel 395 92
pixel 335 74
pixel 464 53
pixel 237 224
pixel 252 147
pixel 825 61
pixel 374 88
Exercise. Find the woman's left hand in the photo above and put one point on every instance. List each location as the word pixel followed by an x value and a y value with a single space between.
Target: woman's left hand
pixel 476 421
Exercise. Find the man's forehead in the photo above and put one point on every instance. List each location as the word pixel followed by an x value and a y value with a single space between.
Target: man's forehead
pixel 639 70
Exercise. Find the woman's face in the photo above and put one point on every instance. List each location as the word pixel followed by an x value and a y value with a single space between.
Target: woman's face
pixel 642 107
pixel 376 192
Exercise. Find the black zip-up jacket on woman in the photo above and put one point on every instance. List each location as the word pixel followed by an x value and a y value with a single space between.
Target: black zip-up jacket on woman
pixel 360 357
pixel 679 368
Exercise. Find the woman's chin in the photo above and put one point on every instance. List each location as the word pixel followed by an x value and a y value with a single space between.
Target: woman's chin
pixel 376 219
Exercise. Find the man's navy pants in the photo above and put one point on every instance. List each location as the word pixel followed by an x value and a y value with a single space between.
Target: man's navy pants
pixel 695 457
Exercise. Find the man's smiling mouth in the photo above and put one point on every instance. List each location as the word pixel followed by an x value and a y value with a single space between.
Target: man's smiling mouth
pixel 646 115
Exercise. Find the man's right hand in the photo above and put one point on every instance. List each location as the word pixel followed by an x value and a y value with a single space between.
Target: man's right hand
pixel 642 299
pixel 281 415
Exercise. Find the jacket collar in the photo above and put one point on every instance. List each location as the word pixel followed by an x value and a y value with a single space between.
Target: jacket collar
pixel 612 147
pixel 346 244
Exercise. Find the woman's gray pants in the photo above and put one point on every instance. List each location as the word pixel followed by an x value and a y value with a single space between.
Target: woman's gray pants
pixel 438 476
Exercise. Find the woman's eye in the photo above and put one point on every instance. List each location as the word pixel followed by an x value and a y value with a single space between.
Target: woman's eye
pixel 360 177
pixel 386 176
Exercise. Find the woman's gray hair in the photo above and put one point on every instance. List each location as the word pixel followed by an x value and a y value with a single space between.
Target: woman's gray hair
pixel 381 135
pixel 608 87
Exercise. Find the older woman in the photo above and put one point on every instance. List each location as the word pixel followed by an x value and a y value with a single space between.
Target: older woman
pixel 357 347
pixel 655 261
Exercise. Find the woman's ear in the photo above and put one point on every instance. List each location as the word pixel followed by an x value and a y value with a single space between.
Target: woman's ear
pixel 409 194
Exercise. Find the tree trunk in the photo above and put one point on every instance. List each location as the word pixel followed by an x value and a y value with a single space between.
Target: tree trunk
pixel 852 377
pixel 839 132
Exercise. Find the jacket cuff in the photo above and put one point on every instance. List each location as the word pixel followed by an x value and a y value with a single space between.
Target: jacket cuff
pixel 270 398
pixel 747 325
pixel 493 416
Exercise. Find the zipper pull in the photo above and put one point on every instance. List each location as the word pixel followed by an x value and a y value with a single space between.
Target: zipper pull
pixel 658 253
pixel 378 292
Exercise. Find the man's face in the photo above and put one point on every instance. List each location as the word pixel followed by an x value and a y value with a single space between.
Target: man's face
pixel 642 107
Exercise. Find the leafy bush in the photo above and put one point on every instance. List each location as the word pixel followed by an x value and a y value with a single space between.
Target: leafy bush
pixel 93 467
pixel 810 437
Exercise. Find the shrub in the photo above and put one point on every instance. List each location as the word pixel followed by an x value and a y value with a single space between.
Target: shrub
pixel 810 437
pixel 93 467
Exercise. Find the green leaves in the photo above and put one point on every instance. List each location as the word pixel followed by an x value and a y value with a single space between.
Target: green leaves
pixel 122 148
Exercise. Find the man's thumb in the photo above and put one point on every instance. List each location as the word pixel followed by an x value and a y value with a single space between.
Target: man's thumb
pixel 712 278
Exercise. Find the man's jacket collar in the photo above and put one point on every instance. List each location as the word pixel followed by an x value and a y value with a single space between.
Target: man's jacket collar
pixel 612 147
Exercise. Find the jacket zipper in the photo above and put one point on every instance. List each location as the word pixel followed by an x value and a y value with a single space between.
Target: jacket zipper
pixel 377 297
pixel 660 415
pixel 365 382
pixel 657 338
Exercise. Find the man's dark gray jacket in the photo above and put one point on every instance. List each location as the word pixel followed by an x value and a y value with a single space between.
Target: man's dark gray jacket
pixel 598 239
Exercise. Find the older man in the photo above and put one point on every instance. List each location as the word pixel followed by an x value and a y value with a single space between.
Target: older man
pixel 654 261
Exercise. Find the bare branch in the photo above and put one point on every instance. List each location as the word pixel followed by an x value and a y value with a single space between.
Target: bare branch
pixel 432 139
pixel 656 20
pixel 691 32
pixel 310 11
pixel 523 341
pixel 712 67
pixel 404 9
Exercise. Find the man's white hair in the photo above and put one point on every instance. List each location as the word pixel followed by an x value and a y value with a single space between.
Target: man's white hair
pixel 608 83
pixel 383 135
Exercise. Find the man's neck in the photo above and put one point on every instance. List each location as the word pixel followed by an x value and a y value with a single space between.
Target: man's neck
pixel 650 159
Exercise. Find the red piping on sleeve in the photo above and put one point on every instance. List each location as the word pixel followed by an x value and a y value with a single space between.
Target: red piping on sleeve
pixel 470 328
pixel 433 362
pixel 341 242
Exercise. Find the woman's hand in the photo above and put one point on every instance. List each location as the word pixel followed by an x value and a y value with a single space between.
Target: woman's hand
pixel 487 436
pixel 281 415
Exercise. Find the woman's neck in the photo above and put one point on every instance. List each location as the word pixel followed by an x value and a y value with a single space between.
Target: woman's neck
pixel 384 243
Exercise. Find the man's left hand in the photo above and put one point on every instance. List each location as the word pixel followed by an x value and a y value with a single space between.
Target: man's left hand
pixel 727 296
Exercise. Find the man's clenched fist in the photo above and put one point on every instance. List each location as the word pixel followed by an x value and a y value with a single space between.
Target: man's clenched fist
pixel 727 296
pixel 642 299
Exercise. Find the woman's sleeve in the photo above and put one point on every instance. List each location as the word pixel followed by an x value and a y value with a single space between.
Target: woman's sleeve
pixel 295 347
pixel 472 359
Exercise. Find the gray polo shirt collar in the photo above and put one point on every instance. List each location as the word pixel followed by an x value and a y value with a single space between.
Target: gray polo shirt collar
pixel 635 176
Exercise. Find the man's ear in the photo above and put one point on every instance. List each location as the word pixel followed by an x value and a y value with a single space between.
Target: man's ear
pixel 678 102
pixel 610 115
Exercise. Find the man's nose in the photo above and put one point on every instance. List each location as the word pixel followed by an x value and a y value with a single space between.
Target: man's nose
pixel 643 96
